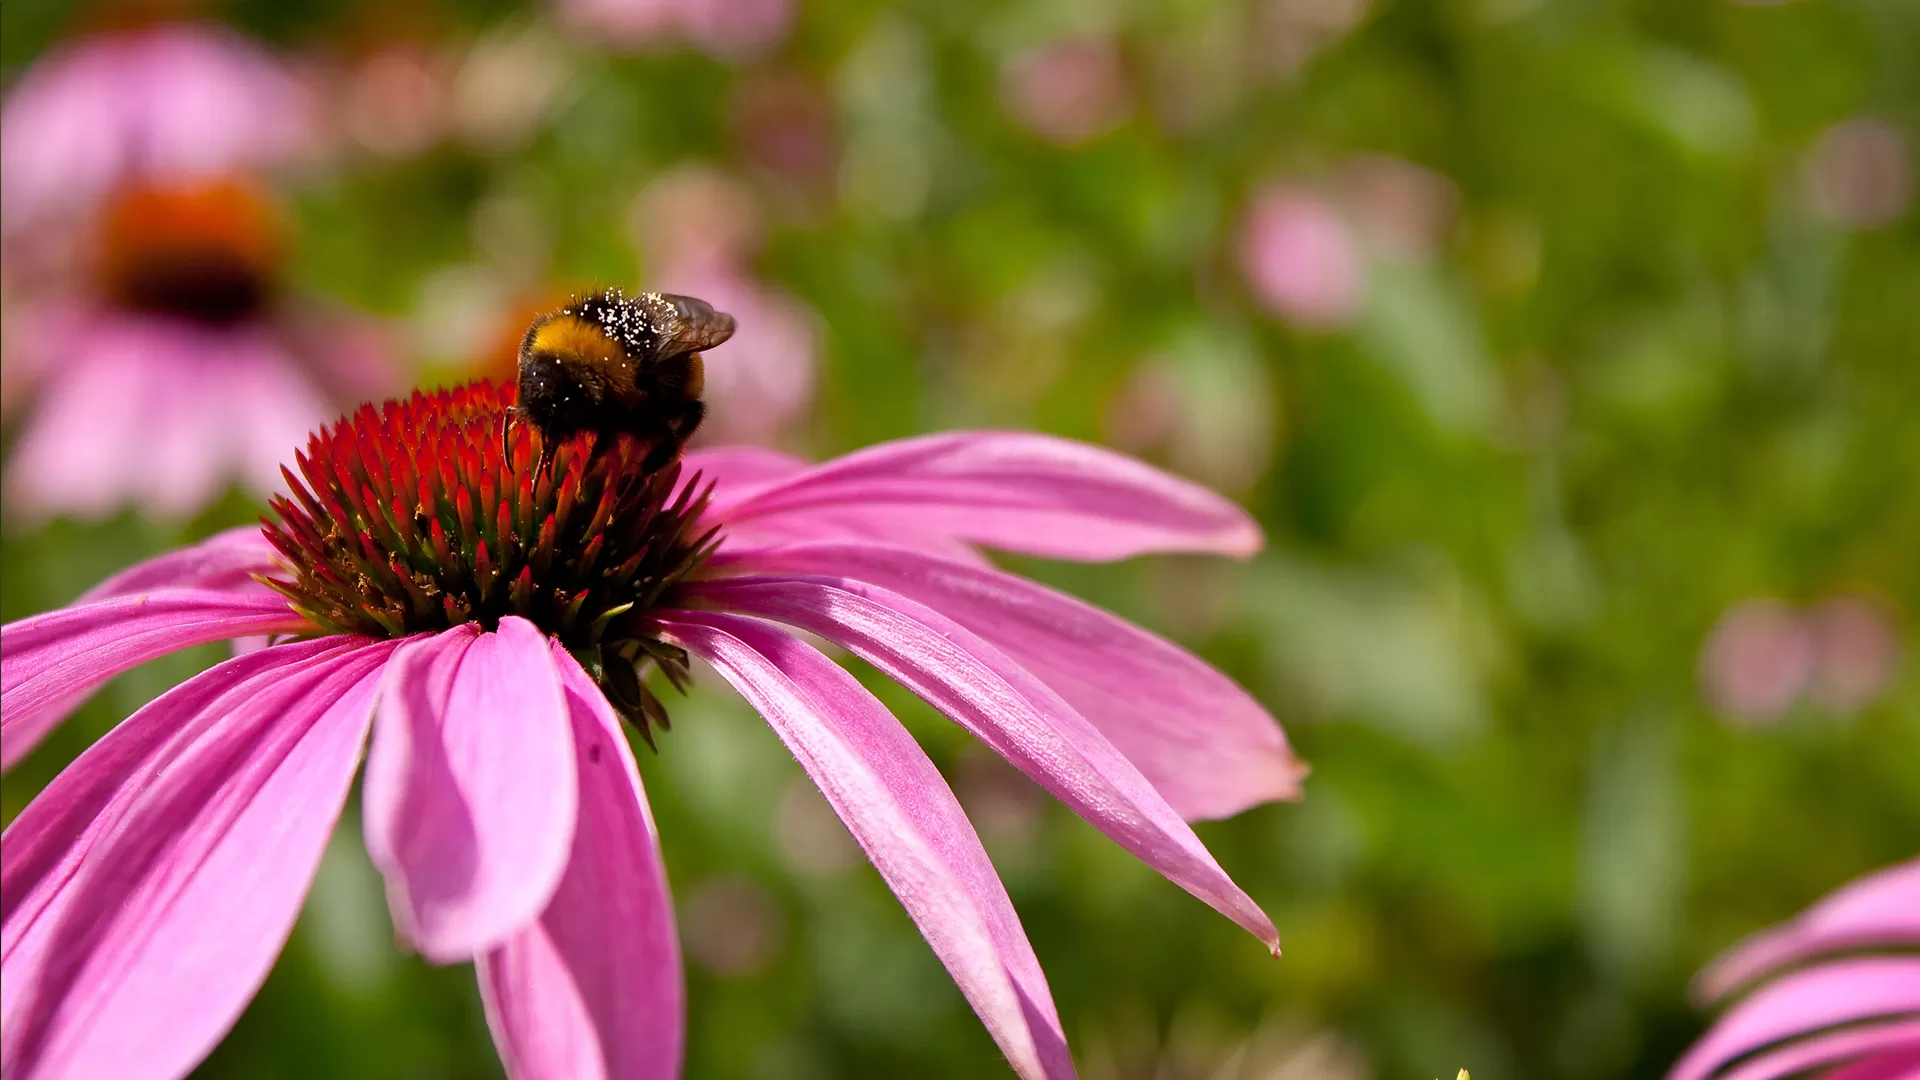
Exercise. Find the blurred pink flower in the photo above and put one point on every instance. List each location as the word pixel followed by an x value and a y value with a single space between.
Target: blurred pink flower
pixel 697 219
pixel 171 104
pixel 1856 650
pixel 731 29
pixel 1757 661
pixel 1289 33
pixel 732 925
pixel 1402 211
pixel 700 228
pixel 1858 174
pixel 1223 439
pixel 1836 991
pixel 783 122
pixel 1068 92
pixel 810 836
pixel 409 89
pixel 1302 259
pixel 393 100
pixel 761 381
pixel 148 889
pixel 176 367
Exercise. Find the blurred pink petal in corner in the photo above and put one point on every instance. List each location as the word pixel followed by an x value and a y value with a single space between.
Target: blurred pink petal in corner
pixel 1302 259
pixel 1833 993
pixel 173 103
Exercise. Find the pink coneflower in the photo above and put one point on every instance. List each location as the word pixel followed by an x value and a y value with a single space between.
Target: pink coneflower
pixel 168 104
pixel 481 630
pixel 1068 92
pixel 1838 991
pixel 173 363
pixel 1303 259
pixel 1757 661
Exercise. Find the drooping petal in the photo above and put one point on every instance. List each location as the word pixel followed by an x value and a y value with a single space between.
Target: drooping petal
pixel 1880 909
pixel 44 846
pixel 1888 1051
pixel 1903 1064
pixel 905 817
pixel 225 560
pixel 174 912
pixel 1828 996
pixel 593 989
pixel 50 662
pixel 1012 490
pixel 1005 707
pixel 1208 747
pixel 471 788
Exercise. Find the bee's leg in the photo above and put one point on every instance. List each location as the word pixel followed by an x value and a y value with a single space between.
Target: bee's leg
pixel 506 449
pixel 657 458
pixel 670 436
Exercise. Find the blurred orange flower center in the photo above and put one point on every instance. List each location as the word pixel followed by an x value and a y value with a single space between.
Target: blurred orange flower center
pixel 208 251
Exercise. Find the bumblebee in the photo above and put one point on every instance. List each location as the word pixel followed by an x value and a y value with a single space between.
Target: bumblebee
pixel 612 364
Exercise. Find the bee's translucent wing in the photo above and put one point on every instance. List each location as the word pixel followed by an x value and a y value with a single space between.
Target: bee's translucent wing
pixel 697 326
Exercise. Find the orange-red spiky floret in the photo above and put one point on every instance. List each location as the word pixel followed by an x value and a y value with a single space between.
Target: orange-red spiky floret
pixel 421 514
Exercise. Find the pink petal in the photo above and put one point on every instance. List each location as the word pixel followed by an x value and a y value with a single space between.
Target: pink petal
pixel 1888 1045
pixel 225 560
pixel 739 469
pixel 1899 1065
pixel 43 847
pixel 903 814
pixel 471 788
pixel 1208 747
pixel 593 988
pixel 1018 491
pixel 846 526
pixel 78 448
pixel 274 403
pixel 1005 707
pixel 50 662
pixel 175 911
pixel 1842 992
pixel 1880 909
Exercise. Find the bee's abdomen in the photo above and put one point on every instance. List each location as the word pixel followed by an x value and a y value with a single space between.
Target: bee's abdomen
pixel 556 399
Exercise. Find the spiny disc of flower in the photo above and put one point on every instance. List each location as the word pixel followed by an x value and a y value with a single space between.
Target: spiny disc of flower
pixel 419 515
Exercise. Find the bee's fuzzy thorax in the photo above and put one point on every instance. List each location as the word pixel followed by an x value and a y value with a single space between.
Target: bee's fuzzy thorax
pixel 566 334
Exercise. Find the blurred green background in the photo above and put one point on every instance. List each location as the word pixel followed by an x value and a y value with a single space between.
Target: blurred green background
pixel 1568 351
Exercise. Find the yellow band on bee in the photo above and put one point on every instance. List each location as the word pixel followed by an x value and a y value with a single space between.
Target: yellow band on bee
pixel 570 335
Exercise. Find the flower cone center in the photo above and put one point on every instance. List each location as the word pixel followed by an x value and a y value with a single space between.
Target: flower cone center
pixel 207 252
pixel 435 511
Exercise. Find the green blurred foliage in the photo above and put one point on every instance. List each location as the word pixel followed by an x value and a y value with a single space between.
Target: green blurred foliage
pixel 1636 380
